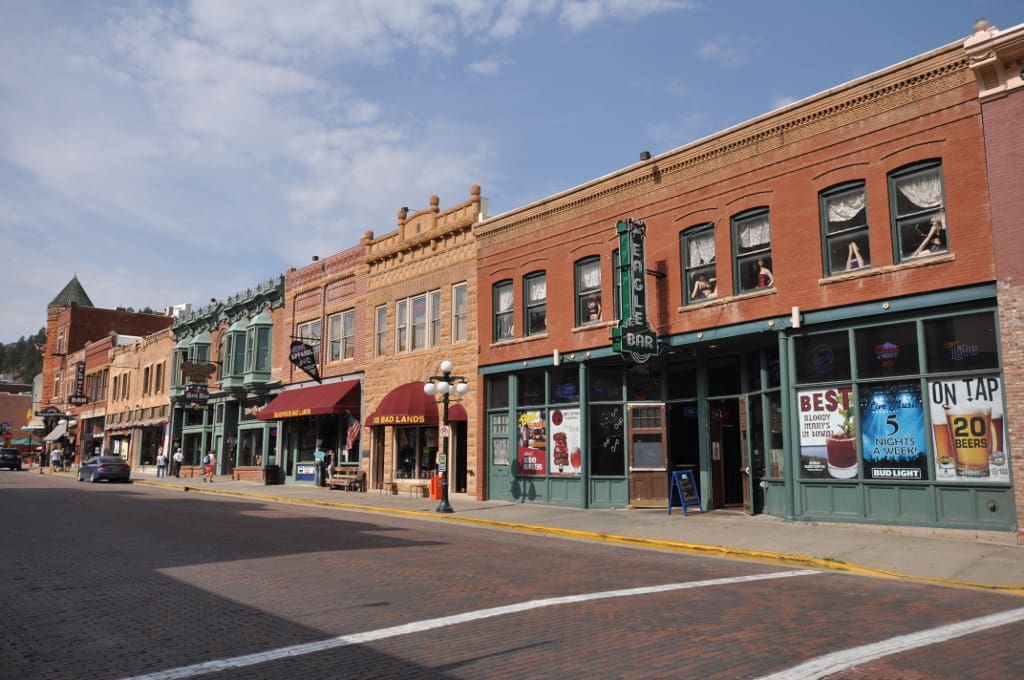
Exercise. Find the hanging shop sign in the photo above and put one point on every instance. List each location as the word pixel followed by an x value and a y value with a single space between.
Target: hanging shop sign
pixel 197 394
pixel 633 335
pixel 303 357
pixel 78 400
pixel 197 372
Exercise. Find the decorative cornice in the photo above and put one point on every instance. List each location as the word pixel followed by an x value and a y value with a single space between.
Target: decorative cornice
pixel 942 70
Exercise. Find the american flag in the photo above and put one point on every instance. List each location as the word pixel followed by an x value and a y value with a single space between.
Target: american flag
pixel 353 432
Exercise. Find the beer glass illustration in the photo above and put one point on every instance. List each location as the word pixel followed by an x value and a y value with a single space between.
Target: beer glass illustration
pixel 998 452
pixel 970 428
pixel 944 455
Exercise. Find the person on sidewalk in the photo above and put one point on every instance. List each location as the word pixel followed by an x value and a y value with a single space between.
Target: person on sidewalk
pixel 209 461
pixel 320 459
pixel 178 459
pixel 161 464
pixel 55 455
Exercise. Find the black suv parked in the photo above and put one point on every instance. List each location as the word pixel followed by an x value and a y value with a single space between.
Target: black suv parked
pixel 10 459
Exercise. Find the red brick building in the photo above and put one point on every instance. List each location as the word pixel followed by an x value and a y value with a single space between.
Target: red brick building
pixel 324 316
pixel 818 290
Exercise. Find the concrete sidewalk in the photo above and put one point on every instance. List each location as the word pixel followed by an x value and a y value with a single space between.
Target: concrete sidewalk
pixel 991 560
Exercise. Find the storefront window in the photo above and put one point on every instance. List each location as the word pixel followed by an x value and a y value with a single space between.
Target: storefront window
pixel 961 343
pixel 499 438
pixel 531 388
pixel 724 376
pixel 565 385
pixel 497 392
pixel 643 383
pixel 885 351
pixel 607 437
pixel 250 447
pixel 823 358
pixel 417 452
pixel 605 384
pixel 682 381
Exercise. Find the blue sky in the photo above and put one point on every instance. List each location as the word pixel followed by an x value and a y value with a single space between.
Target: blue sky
pixel 173 152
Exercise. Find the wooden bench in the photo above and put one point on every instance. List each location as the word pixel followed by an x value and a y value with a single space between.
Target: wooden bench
pixel 419 490
pixel 348 479
pixel 389 487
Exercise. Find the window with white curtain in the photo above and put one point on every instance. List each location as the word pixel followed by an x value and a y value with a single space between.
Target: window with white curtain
pixel 536 293
pixel 503 311
pixel 844 223
pixel 341 330
pixel 918 211
pixel 418 322
pixel 588 291
pixel 752 257
pixel 700 277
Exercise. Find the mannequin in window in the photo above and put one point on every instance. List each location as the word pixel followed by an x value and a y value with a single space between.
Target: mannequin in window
pixel 934 240
pixel 764 275
pixel 854 259
pixel 593 308
pixel 704 288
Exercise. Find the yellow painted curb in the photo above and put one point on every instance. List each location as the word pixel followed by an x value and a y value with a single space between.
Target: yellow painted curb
pixel 823 563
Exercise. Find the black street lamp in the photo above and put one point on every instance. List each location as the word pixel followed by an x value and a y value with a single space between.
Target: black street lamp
pixel 445 384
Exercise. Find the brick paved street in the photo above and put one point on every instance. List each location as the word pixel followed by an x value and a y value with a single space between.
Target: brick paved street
pixel 114 581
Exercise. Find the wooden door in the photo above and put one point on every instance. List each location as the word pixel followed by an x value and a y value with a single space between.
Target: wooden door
pixel 648 456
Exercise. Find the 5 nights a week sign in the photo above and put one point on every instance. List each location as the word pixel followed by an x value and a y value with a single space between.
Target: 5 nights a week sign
pixel 633 335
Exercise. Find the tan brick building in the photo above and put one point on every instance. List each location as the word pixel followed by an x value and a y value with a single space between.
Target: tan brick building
pixel 420 300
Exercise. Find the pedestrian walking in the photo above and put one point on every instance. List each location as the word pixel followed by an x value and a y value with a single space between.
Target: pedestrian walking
pixel 178 459
pixel 209 461
pixel 55 456
pixel 161 464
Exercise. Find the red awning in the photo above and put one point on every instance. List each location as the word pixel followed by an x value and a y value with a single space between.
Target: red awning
pixel 336 397
pixel 406 405
pixel 457 412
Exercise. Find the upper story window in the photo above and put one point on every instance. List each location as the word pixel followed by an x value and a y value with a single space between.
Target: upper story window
pixel 234 351
pixel 402 326
pixel 341 332
pixel 503 310
pixel 536 296
pixel 146 373
pixel 200 348
pixel 700 274
pixel 752 239
pixel 435 318
pixel 309 333
pixel 844 224
pixel 258 339
pixel 918 211
pixel 158 382
pixel 616 290
pixel 418 322
pixel 588 290
pixel 460 312
pixel 380 331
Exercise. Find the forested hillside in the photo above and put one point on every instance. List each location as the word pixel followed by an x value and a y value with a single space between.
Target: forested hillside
pixel 20 361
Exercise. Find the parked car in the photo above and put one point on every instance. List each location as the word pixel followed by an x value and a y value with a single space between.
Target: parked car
pixel 10 459
pixel 110 468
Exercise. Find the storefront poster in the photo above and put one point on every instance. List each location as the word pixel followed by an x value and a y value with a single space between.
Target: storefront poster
pixel 968 430
pixel 893 432
pixel 566 457
pixel 531 454
pixel 828 434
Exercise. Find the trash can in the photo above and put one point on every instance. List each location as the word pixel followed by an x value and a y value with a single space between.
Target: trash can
pixel 435 488
pixel 273 474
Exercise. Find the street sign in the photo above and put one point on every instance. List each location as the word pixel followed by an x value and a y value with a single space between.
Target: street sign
pixel 78 400
pixel 446 431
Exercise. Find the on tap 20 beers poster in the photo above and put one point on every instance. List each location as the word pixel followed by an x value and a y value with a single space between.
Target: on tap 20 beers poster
pixel 968 429
pixel 893 432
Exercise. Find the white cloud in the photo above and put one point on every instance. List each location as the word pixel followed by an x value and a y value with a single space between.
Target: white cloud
pixel 725 51
pixel 485 67
pixel 578 15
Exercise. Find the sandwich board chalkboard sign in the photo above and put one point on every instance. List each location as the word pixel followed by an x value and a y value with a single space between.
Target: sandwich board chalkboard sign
pixel 685 489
